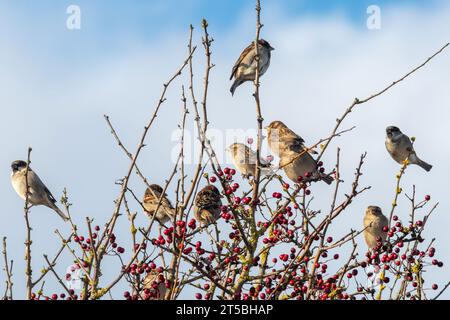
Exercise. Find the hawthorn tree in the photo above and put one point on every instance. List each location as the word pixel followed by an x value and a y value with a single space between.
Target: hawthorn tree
pixel 264 247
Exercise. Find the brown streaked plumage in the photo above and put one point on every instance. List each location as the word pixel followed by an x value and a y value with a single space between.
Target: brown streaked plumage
pixel 282 139
pixel 374 222
pixel 245 67
pixel 207 205
pixel 245 159
pixel 166 211
pixel 295 159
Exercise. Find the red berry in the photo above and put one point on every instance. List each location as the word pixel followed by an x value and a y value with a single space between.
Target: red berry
pixel 427 198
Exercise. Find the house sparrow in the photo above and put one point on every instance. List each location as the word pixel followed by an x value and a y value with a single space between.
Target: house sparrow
pixel 295 159
pixel 208 204
pixel 401 148
pixel 374 222
pixel 282 139
pixel 245 67
pixel 153 287
pixel 166 211
pixel 38 192
pixel 244 159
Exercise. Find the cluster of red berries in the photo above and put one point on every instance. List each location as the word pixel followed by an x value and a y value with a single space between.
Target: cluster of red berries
pixel 85 242
pixel 55 296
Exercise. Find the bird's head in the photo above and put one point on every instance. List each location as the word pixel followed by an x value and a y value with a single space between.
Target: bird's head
pixel 18 165
pixel 392 131
pixel 374 210
pixel 236 147
pixel 274 130
pixel 213 191
pixel 155 188
pixel 266 45
pixel 276 125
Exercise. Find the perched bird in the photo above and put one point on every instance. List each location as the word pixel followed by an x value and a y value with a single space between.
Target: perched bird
pixel 166 211
pixel 207 205
pixel 245 159
pixel 38 192
pixel 295 159
pixel 245 67
pixel 401 148
pixel 374 223
pixel 282 139
pixel 153 286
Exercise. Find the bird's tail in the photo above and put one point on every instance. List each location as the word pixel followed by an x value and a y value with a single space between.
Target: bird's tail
pixel 415 160
pixel 236 84
pixel 60 213
pixel 427 167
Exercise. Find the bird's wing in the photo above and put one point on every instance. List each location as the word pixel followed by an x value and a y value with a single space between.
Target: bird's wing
pixel 49 195
pixel 206 198
pixel 407 141
pixel 36 185
pixel 154 197
pixel 296 143
pixel 241 57
pixel 291 134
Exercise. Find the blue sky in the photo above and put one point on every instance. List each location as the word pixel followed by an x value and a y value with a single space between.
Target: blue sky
pixel 57 84
pixel 105 24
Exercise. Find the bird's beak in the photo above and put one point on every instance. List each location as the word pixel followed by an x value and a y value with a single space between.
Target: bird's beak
pixel 271 48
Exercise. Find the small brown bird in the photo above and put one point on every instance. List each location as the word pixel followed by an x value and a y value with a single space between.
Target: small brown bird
pixel 375 222
pixel 400 148
pixel 207 205
pixel 166 211
pixel 38 193
pixel 153 286
pixel 281 139
pixel 245 159
pixel 295 159
pixel 245 67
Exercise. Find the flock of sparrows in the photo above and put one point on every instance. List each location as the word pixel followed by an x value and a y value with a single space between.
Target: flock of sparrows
pixel 296 161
